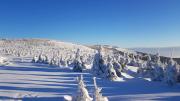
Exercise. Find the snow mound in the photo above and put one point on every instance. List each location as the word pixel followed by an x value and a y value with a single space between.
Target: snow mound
pixel 67 98
pixel 3 61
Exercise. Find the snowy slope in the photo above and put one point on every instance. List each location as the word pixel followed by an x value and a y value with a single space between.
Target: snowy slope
pixel 49 48
pixel 23 80
pixel 36 82
pixel 33 47
pixel 41 45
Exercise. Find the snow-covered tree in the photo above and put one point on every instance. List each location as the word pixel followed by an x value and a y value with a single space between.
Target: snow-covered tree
pixel 78 67
pixel 141 69
pixel 149 62
pixel 124 61
pixel 53 62
pixel 178 73
pixel 103 66
pixel 46 60
pixel 139 62
pixel 83 62
pixel 110 72
pixel 146 69
pixel 19 54
pixel 40 59
pixel 133 61
pixel 127 58
pixel 171 73
pixel 118 68
pixel 97 96
pixel 62 62
pixel 158 72
pixel 99 65
pixel 82 93
pixel 35 59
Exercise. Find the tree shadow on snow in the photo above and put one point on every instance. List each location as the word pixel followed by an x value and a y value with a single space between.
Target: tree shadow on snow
pixel 131 87
pixel 35 69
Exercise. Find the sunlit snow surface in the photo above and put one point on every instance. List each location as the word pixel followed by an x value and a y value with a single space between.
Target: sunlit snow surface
pixel 22 80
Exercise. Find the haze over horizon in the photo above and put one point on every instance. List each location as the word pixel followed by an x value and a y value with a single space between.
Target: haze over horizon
pixel 123 23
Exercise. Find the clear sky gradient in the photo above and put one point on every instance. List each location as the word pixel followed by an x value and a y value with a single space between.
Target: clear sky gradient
pixel 125 23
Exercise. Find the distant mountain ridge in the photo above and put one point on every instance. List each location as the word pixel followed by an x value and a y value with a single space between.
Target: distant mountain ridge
pixel 173 52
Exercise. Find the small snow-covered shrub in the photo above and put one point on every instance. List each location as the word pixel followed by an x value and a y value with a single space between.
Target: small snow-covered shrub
pixel 53 62
pixel 82 93
pixel 171 73
pixel 97 96
pixel 3 61
pixel 158 72
pixel 146 69
pixel 110 72
pixel 35 59
pixel 46 60
pixel 40 59
pixel 118 68
pixel 78 66
pixel 133 61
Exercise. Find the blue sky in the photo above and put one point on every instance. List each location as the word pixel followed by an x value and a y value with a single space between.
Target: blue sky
pixel 125 23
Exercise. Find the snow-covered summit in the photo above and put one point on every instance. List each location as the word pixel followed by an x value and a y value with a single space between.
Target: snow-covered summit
pixel 42 42
pixel 41 45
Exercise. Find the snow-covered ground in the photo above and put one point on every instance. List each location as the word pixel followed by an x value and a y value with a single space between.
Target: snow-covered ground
pixel 23 80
